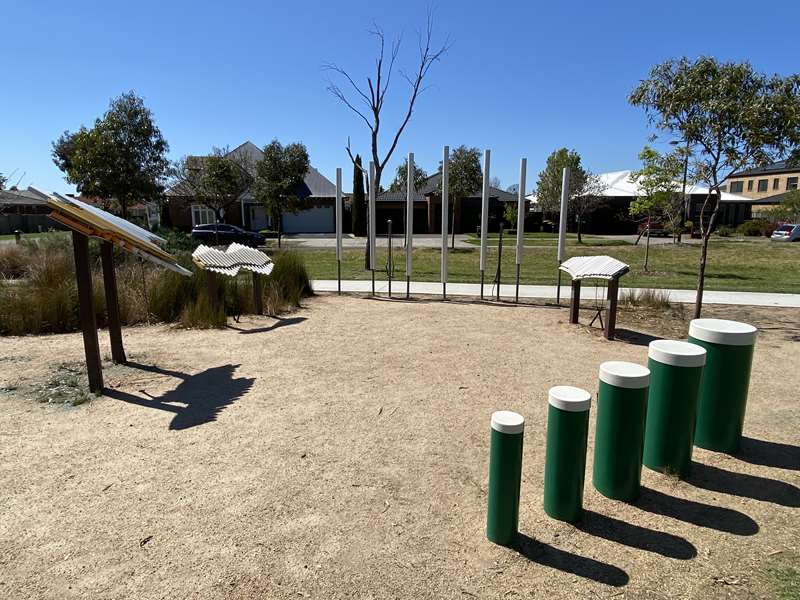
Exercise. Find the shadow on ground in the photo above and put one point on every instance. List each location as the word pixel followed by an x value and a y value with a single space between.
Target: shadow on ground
pixel 741 484
pixel 769 454
pixel 198 399
pixel 642 538
pixel 709 516
pixel 279 322
pixel 589 568
pixel 636 338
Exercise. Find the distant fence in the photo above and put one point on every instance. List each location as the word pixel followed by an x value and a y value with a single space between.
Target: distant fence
pixel 27 223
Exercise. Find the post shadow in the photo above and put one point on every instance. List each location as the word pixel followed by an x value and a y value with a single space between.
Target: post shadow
pixel 202 396
pixel 764 489
pixel 588 568
pixel 722 519
pixel 634 536
pixel 637 338
pixel 769 454
pixel 279 322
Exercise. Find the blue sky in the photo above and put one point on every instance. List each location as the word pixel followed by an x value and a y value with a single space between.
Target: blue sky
pixel 521 78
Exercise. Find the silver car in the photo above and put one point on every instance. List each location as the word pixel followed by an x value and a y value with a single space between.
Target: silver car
pixel 786 233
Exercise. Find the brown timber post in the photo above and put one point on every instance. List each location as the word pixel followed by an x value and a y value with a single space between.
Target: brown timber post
pixel 83 277
pixel 575 301
pixel 112 303
pixel 611 308
pixel 258 302
pixel 211 281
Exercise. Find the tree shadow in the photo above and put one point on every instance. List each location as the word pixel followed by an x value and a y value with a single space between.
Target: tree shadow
pixel 636 338
pixel 719 518
pixel 198 399
pixel 279 322
pixel 764 489
pixel 549 556
pixel 641 538
pixel 769 454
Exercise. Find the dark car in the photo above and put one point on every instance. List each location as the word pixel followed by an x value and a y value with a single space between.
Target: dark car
pixel 219 234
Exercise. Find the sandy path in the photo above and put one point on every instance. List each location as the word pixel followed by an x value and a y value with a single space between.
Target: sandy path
pixel 344 454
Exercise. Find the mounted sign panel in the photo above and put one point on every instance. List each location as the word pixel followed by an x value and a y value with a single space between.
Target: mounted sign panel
pixel 87 221
pixel 595 267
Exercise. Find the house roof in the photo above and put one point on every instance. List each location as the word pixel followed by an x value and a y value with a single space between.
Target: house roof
pixel 28 197
pixel 431 186
pixel 782 166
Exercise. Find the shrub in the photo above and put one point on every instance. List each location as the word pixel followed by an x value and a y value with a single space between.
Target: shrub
pixel 269 233
pixel 756 227
pixel 651 298
pixel 724 231
pixel 199 314
pixel 13 260
pixel 177 240
pixel 288 283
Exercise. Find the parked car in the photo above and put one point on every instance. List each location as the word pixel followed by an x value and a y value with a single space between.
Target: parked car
pixel 789 232
pixel 222 234
pixel 656 229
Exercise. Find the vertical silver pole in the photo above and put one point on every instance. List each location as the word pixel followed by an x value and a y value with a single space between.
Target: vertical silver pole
pixel 562 226
pixel 484 212
pixel 339 228
pixel 523 165
pixel 445 217
pixel 371 240
pixel 409 220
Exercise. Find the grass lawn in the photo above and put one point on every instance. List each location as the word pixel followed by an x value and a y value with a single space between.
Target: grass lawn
pixel 542 239
pixel 29 236
pixel 739 265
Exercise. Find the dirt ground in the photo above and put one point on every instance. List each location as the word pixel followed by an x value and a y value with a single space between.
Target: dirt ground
pixel 341 452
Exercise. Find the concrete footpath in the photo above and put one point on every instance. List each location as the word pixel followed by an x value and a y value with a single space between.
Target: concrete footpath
pixel 548 292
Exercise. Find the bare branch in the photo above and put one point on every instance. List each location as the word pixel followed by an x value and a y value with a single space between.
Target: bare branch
pixel 334 89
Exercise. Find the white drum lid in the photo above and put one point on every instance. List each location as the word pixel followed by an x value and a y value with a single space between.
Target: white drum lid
pixel 624 374
pixel 677 354
pixel 507 421
pixel 722 331
pixel 570 398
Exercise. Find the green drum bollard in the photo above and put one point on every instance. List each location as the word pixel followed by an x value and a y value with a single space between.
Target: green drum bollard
pixel 676 369
pixel 505 472
pixel 726 378
pixel 565 460
pixel 619 436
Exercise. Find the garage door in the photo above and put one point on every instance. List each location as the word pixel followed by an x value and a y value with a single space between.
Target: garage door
pixel 318 219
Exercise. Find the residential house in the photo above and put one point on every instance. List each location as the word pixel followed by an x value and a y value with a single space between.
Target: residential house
pixel 24 210
pixel 317 215
pixel 767 186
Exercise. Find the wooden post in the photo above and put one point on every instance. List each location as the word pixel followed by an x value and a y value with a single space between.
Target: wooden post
pixel 112 303
pixel 575 301
pixel 211 283
pixel 611 308
pixel 258 301
pixel 83 277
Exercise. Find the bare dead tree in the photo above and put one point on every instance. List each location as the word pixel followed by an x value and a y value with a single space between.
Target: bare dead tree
pixel 368 102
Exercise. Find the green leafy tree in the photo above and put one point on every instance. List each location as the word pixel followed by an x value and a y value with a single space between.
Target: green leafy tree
pixel 401 177
pixel 123 156
pixel 731 118
pixel 279 175
pixel 789 210
pixel 3 181
pixel 359 202
pixel 465 176
pixel 548 186
pixel 510 214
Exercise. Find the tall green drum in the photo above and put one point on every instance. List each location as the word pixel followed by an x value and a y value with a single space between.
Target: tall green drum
pixel 565 459
pixel 619 435
pixel 726 379
pixel 676 369
pixel 505 472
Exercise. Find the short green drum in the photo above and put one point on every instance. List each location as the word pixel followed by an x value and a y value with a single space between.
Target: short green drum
pixel 619 435
pixel 726 380
pixel 676 369
pixel 505 473
pixel 565 457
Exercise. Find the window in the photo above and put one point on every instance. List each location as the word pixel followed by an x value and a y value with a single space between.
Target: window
pixel 750 186
pixel 775 183
pixel 763 185
pixel 201 215
pixel 791 183
pixel 723 187
pixel 737 187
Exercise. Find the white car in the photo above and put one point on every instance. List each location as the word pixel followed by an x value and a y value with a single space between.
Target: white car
pixel 786 233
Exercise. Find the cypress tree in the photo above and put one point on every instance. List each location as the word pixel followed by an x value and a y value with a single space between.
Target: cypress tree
pixel 359 203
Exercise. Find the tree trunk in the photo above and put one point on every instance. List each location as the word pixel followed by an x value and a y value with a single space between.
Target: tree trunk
pixel 453 226
pixel 701 276
pixel 580 239
pixel 647 245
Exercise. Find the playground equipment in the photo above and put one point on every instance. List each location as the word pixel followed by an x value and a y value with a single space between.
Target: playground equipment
pixel 565 459
pixel 726 379
pixel 619 435
pixel 676 369
pixel 505 473
pixel 595 267
pixel 229 262
pixel 87 221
